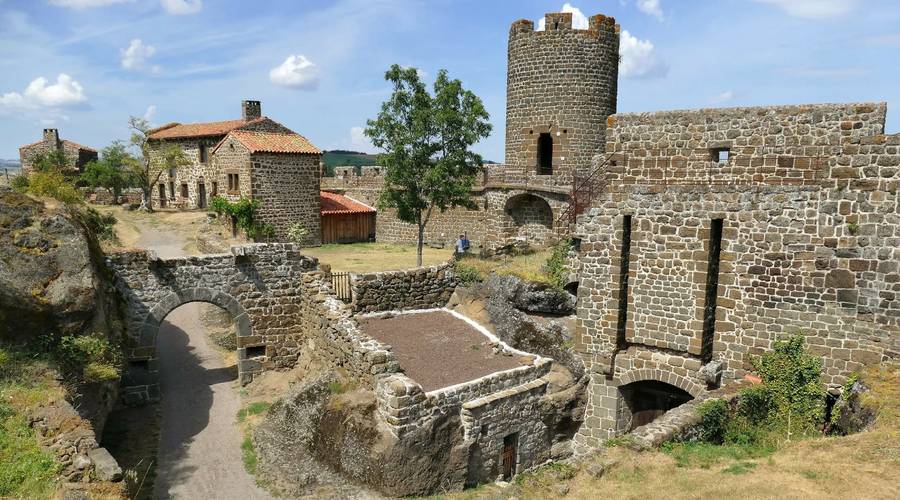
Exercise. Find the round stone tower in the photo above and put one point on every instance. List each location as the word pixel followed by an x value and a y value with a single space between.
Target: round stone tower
pixel 560 89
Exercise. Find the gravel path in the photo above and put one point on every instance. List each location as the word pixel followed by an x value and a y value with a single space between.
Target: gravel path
pixel 199 451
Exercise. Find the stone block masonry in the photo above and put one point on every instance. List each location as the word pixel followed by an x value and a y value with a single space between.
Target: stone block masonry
pixel 419 288
pixel 806 199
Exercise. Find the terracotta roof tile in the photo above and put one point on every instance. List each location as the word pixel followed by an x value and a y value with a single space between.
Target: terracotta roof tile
pixel 184 130
pixel 334 204
pixel 274 142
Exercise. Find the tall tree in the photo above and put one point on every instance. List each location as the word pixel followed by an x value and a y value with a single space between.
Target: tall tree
pixel 144 171
pixel 426 140
pixel 113 171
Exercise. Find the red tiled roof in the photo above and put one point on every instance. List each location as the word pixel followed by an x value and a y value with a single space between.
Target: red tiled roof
pixel 184 130
pixel 273 142
pixel 334 204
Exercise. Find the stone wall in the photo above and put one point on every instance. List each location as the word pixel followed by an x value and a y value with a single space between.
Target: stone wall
pixel 210 174
pixel 257 284
pixel 561 81
pixel 810 233
pixel 419 288
pixel 287 189
pixel 76 157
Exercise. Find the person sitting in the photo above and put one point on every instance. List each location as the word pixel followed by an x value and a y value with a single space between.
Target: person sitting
pixel 459 247
pixel 465 241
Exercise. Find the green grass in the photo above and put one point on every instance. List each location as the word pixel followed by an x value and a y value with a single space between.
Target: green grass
pixel 739 468
pixel 26 470
pixel 248 455
pixel 705 455
pixel 252 409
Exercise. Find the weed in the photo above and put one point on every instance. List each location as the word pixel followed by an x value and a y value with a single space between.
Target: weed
pixel 808 474
pixel 739 468
pixel 253 409
pixel 336 387
pixel 248 455
pixel 853 228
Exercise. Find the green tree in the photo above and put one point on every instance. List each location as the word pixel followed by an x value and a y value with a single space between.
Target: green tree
pixel 426 140
pixel 55 160
pixel 144 172
pixel 113 171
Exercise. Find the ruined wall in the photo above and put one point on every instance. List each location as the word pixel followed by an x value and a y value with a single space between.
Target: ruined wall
pixel 810 232
pixel 561 81
pixel 287 189
pixel 419 288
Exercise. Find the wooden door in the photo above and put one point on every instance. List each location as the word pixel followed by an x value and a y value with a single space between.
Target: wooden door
pixel 510 443
pixel 162 196
pixel 201 195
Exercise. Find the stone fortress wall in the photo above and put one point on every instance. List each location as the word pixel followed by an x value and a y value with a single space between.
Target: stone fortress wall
pixel 810 243
pixel 418 288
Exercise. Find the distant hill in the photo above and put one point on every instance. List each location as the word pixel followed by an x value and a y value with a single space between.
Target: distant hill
pixel 340 157
pixel 10 164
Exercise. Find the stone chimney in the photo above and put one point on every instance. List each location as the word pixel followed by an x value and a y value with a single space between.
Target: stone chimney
pixel 51 135
pixel 251 110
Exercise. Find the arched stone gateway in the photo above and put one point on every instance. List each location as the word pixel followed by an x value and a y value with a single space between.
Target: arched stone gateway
pixel 530 217
pixel 262 286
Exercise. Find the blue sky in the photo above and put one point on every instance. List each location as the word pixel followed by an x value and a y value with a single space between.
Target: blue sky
pixel 84 66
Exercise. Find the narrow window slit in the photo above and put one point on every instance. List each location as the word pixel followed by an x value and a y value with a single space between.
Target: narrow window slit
pixel 712 286
pixel 621 341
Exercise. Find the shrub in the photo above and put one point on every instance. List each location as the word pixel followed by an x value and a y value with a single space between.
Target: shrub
pixel 556 263
pixel 99 224
pixel 466 272
pixel 714 415
pixel 53 184
pixel 19 183
pixel 243 212
pixel 90 356
pixel 297 232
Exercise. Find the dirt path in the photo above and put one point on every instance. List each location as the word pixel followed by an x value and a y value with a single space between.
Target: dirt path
pixel 199 452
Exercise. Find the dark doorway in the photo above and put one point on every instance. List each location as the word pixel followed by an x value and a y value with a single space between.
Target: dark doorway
pixel 201 195
pixel 162 196
pixel 622 322
pixel 545 154
pixel 510 445
pixel 648 399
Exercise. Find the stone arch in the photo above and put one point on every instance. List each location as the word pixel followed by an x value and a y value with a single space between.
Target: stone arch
pixel 150 326
pixel 666 377
pixel 529 216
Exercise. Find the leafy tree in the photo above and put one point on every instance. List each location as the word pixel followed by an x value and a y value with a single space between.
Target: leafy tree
pixel 426 140
pixel 145 173
pixel 792 383
pixel 55 160
pixel 113 171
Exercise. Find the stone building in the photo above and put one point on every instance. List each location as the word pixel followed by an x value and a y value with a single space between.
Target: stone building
pixel 77 156
pixel 722 230
pixel 254 157
pixel 561 86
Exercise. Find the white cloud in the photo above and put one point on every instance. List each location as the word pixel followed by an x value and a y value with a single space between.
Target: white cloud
pixel 359 141
pixel 86 4
pixel 723 97
pixel 150 113
pixel 579 20
pixel 179 7
pixel 39 96
pixel 650 7
pixel 639 58
pixel 814 9
pixel 296 72
pixel 136 55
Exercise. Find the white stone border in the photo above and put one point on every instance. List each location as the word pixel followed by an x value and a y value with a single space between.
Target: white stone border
pixel 538 359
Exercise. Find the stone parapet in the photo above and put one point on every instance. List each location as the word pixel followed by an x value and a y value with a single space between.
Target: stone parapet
pixel 419 288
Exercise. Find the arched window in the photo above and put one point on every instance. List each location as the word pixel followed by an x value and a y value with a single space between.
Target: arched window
pixel 545 154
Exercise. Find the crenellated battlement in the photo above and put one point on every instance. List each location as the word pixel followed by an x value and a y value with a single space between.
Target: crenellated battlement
pixel 556 22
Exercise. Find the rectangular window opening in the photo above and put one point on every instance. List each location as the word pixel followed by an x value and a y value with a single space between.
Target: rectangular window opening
pixel 712 287
pixel 256 351
pixel 720 155
pixel 621 340
pixel 204 154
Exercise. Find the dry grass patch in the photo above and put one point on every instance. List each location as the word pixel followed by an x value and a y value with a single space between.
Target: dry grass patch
pixel 529 266
pixel 375 257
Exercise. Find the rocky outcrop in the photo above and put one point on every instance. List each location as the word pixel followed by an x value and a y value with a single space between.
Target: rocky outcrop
pixel 49 282
pixel 508 301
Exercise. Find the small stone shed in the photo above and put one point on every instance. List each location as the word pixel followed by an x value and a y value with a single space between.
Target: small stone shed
pixel 77 155
pixel 346 220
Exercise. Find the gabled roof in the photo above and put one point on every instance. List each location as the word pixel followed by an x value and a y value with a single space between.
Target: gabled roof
pixel 272 142
pixel 335 204
pixel 186 130
pixel 64 141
